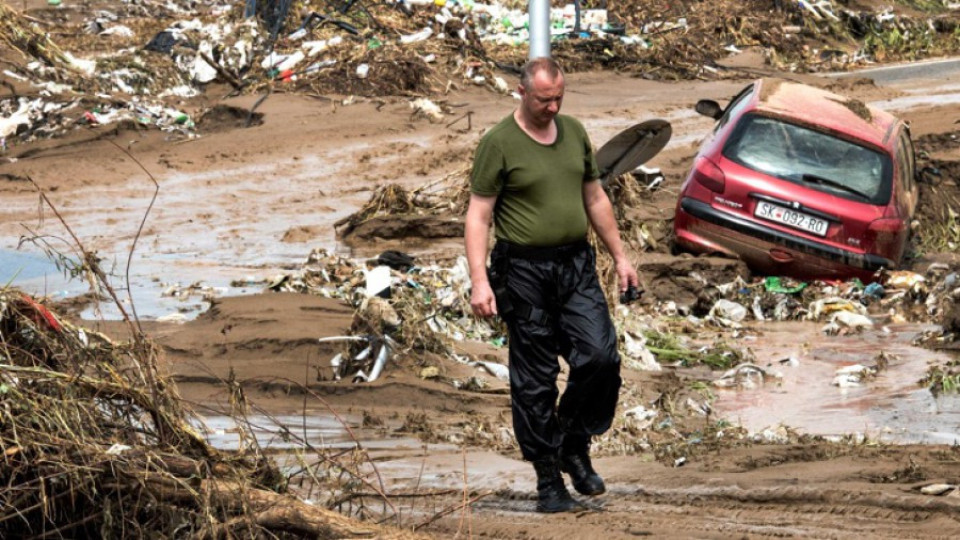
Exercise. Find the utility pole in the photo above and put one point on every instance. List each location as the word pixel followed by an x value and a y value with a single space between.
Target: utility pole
pixel 538 12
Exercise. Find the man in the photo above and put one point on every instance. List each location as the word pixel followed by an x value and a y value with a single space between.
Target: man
pixel 535 178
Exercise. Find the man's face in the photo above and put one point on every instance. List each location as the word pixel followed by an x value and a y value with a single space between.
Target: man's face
pixel 542 100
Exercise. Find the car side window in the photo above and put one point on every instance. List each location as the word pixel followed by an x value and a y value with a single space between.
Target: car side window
pixel 733 109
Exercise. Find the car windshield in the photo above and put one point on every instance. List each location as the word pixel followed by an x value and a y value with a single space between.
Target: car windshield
pixel 812 158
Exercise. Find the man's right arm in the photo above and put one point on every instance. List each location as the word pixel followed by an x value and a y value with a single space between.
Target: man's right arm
pixel 476 236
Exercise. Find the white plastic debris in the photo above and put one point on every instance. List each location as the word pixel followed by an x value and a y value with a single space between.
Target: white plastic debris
pixel 847 321
pixel 499 371
pixel 377 280
pixel 313 48
pixel 757 309
pixel 745 376
pixel 87 67
pixel 937 489
pixel 290 61
pixel 852 376
pixel 202 71
pixel 728 310
pixel 119 31
pixel 429 109
pixel 638 355
pixel 335 364
pixel 118 449
pixel 382 356
pixel 363 70
pixel 9 125
pixel 418 36
pixel 640 416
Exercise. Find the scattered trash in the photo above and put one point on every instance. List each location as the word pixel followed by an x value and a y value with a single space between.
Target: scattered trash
pixel 728 312
pixel 844 322
pixel 777 435
pixel 872 293
pixel 378 281
pixel 782 285
pixel 745 376
pixel 499 371
pixel 363 361
pixel 428 108
pixel 641 417
pixel 937 489
pixel 904 280
pixel 852 376
pixel 638 356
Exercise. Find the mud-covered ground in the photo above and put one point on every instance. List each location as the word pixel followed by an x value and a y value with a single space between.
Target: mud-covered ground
pixel 242 204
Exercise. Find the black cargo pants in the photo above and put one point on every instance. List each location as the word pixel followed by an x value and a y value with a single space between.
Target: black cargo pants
pixel 552 303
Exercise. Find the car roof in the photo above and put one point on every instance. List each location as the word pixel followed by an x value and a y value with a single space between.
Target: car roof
pixel 817 107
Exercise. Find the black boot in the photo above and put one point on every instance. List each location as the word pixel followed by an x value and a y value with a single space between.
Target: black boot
pixel 552 494
pixel 575 461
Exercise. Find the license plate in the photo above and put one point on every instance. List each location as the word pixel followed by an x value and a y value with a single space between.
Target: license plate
pixel 791 218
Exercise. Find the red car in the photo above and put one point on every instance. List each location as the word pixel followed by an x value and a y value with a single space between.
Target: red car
pixel 800 182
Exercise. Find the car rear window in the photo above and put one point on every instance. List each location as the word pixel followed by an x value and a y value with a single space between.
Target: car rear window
pixel 811 158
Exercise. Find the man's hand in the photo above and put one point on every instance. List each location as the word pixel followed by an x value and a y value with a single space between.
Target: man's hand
pixel 482 301
pixel 627 275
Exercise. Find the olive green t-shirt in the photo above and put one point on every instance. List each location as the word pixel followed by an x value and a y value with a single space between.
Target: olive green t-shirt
pixel 540 186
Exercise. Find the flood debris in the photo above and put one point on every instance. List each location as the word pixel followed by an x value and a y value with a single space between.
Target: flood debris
pixel 96 442
pixel 938 490
pixel 140 61
pixel 746 376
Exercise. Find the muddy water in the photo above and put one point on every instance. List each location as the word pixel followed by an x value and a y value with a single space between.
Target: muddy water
pixel 199 232
pixel 403 462
pixel 891 407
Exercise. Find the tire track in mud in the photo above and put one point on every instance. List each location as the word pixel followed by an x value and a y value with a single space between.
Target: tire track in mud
pixel 782 511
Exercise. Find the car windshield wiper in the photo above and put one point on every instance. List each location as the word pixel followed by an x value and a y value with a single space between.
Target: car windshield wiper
pixel 814 179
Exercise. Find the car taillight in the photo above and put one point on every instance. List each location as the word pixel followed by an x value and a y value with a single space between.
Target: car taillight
pixel 709 175
pixel 887 236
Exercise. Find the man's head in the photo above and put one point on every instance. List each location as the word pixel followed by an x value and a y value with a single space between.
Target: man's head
pixel 541 91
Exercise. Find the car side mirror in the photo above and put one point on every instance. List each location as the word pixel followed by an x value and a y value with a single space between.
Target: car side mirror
pixel 929 175
pixel 709 107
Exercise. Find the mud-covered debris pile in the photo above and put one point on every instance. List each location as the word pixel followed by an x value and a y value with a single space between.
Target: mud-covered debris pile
pixel 444 200
pixel 95 443
pixel 405 311
pixel 140 62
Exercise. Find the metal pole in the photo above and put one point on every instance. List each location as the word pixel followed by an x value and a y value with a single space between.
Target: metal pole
pixel 539 13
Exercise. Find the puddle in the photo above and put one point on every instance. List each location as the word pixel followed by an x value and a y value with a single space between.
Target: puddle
pixel 198 232
pixel 404 462
pixel 25 267
pixel 891 408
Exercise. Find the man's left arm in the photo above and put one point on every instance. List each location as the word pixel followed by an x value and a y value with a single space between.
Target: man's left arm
pixel 600 213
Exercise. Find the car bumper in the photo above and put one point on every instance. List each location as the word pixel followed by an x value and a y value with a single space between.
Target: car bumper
pixel 711 229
